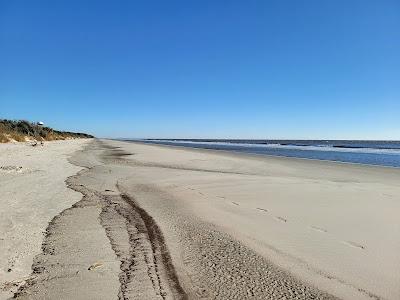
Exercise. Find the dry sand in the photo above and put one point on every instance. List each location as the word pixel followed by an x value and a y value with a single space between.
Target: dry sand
pixel 32 192
pixel 160 222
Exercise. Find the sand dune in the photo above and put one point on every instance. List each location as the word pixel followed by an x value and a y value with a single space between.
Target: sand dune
pixel 166 222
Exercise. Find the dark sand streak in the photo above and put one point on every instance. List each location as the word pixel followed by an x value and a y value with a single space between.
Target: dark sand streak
pixel 158 246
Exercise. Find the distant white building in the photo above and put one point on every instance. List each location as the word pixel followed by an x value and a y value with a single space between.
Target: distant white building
pixel 40 123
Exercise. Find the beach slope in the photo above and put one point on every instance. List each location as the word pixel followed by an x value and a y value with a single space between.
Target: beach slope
pixel 166 222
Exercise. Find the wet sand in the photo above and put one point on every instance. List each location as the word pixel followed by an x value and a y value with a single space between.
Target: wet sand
pixel 158 222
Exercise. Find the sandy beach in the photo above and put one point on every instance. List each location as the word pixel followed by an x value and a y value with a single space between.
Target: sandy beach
pixel 102 219
pixel 32 192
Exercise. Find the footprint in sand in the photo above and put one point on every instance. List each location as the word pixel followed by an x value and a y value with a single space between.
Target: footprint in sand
pixel 281 219
pixel 319 229
pixel 95 265
pixel 262 209
pixel 354 244
pixel 234 203
pixel 192 189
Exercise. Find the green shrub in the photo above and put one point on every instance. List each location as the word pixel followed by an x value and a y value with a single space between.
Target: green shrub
pixel 20 130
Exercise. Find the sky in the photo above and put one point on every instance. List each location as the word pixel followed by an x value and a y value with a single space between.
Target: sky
pixel 280 69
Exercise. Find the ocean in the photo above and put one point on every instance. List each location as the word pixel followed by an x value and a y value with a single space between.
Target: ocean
pixel 381 153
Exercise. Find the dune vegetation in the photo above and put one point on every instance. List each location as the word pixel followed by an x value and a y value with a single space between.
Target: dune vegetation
pixel 21 131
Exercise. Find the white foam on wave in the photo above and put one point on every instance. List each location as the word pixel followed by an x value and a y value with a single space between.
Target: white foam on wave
pixel 328 148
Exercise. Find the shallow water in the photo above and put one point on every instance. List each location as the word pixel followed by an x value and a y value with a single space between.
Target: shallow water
pixel 382 153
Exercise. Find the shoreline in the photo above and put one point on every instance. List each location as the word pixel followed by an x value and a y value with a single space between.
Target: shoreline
pixel 258 155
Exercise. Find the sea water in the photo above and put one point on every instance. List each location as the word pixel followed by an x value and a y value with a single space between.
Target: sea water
pixel 382 153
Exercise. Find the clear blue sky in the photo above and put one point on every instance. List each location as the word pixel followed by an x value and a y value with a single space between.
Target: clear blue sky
pixel 234 69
